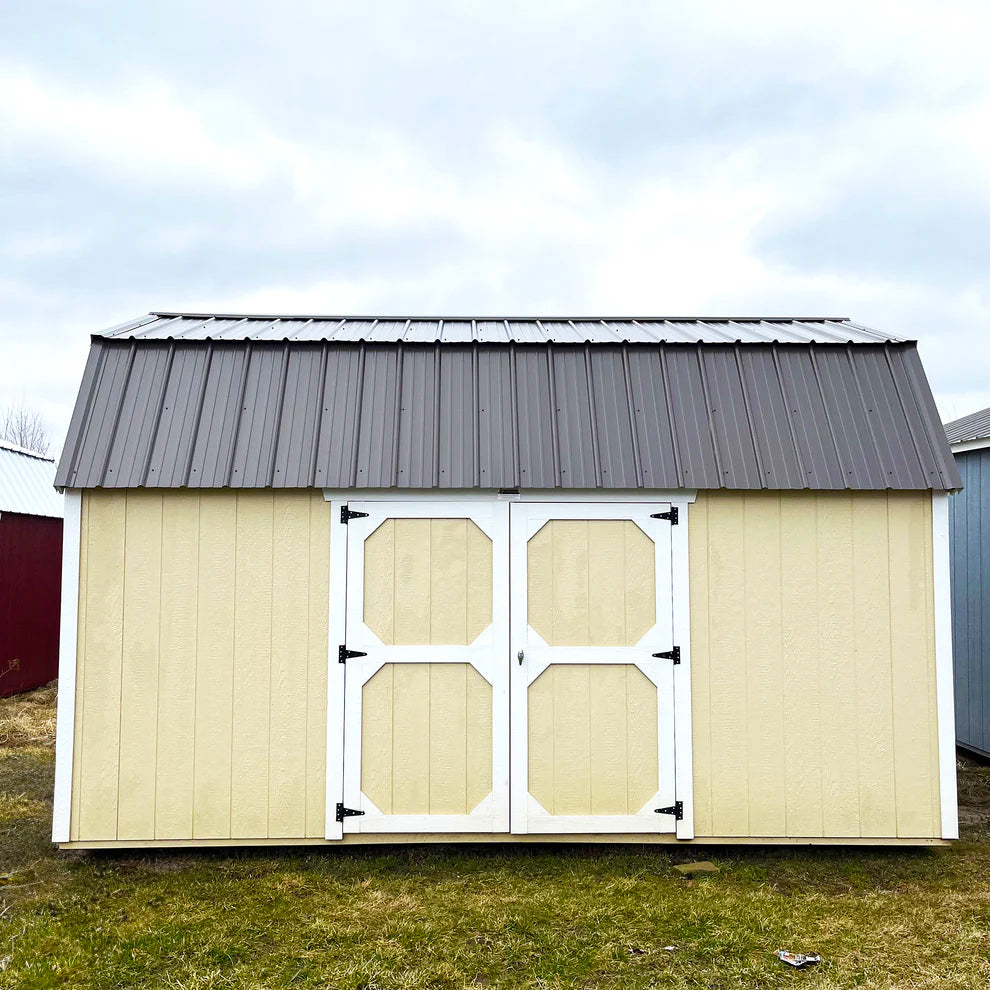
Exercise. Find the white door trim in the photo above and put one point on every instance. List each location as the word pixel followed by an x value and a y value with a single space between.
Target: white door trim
pixel 335 670
pixel 527 814
pixel 67 646
pixel 487 654
pixel 944 691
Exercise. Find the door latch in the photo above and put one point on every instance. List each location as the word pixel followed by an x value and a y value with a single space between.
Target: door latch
pixel 520 656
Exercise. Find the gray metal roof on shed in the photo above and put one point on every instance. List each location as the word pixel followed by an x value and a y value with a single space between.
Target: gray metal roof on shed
pixel 27 482
pixel 975 426
pixel 216 412
pixel 500 330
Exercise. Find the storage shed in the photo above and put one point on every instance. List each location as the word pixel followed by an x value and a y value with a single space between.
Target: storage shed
pixel 376 580
pixel 30 569
pixel 969 529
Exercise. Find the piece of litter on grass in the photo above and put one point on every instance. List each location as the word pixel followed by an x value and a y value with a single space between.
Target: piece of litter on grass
pixel 705 866
pixel 798 959
pixel 670 948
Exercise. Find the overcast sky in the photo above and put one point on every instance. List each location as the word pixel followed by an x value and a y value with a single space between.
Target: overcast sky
pixel 641 158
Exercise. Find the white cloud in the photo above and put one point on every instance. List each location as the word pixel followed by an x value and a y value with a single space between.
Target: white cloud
pixel 576 158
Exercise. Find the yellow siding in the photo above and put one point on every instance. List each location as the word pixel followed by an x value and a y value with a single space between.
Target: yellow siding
pixel 214 727
pixel 426 739
pixel 592 739
pixel 428 581
pixel 813 665
pixel 591 582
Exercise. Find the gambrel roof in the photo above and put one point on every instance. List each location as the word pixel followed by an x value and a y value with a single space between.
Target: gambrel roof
pixel 195 400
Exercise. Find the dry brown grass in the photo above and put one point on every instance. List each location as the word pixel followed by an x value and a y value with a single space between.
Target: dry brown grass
pixel 29 719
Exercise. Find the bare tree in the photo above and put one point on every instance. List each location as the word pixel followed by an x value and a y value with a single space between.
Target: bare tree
pixel 24 425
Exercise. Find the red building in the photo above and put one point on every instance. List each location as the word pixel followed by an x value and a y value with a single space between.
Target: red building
pixel 30 569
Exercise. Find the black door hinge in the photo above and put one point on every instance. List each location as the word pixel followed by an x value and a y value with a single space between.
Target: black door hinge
pixel 344 654
pixel 343 812
pixel 673 654
pixel 676 809
pixel 346 514
pixel 671 516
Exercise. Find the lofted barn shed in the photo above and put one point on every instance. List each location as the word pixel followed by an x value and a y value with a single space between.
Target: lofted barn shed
pixel 372 580
pixel 30 569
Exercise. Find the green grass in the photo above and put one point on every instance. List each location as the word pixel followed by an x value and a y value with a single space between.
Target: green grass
pixel 435 916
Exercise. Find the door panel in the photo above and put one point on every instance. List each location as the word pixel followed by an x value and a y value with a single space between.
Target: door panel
pixel 426 720
pixel 593 727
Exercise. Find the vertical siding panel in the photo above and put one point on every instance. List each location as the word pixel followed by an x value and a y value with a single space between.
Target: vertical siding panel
pixel 974 607
pixel 289 663
pixel 641 738
pixel 448 738
pixel 217 593
pixel 871 636
pixel 606 599
pixel 479 582
pixel 608 755
pixel 836 665
pixel 411 736
pixel 448 580
pixel 379 581
pixel 377 744
pixel 571 625
pixel 411 607
pixel 929 642
pixel 100 748
pixel 77 731
pixel 961 657
pixel 572 736
pixel 799 633
pixel 540 742
pixel 700 603
pixel 177 666
pixel 764 665
pixel 318 620
pixel 252 665
pixel 139 674
pixel 728 688
pixel 639 566
pixel 479 740
pixel 979 645
pixel 539 581
pixel 914 773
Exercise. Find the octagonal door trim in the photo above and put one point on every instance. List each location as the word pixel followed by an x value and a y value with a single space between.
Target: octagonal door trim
pixel 591 661
pixel 445 690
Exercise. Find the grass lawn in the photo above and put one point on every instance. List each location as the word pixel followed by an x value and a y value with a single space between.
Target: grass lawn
pixel 571 916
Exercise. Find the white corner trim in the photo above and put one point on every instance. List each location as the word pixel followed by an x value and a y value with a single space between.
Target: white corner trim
pixel 335 670
pixel 67 643
pixel 943 667
pixel 680 592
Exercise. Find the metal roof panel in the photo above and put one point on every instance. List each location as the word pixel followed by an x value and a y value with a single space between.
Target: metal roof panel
pixel 378 415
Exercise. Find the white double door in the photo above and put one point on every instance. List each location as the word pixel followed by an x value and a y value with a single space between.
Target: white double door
pixel 501 671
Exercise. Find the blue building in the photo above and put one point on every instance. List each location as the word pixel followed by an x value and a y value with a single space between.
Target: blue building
pixel 969 530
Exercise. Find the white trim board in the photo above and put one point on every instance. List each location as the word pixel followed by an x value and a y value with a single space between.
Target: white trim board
pixel 944 691
pixel 335 671
pixel 677 496
pixel 67 644
pixel 960 448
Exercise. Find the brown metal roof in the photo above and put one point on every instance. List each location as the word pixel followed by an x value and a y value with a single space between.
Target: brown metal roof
pixel 256 413
pixel 501 329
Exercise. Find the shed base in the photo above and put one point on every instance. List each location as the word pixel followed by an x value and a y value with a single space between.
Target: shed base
pixel 416 838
